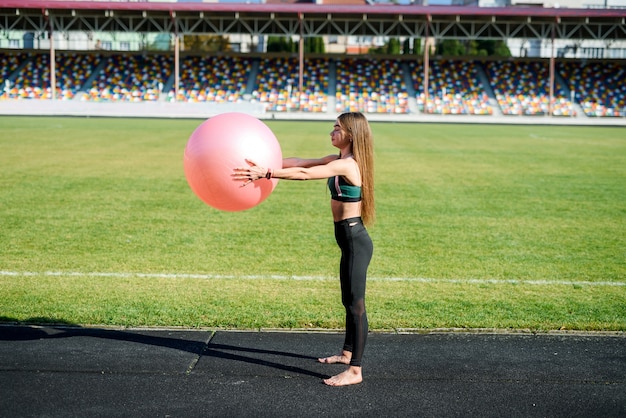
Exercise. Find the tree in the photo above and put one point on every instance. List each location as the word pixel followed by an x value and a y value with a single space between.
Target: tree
pixel 501 50
pixel 287 44
pixel 391 47
pixel 280 44
pixel 207 43
pixel 314 45
pixel 450 47
pixel 417 47
pixel 481 48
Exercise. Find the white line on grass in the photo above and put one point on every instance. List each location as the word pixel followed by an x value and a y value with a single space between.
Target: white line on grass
pixel 280 277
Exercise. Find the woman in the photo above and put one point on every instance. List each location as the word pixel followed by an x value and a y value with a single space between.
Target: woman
pixel 351 182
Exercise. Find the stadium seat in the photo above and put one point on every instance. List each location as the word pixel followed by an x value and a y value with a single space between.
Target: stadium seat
pixel 276 85
pixel 454 88
pixel 522 88
pixel 370 86
pixel 131 78
pixel 365 84
pixel 34 81
pixel 212 79
pixel 599 87
pixel 8 64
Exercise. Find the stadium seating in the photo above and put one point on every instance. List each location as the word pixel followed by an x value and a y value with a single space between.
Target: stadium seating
pixel 212 79
pixel 315 85
pixel 9 63
pixel 131 78
pixel 276 85
pixel 33 80
pixel 522 88
pixel 75 70
pixel 366 84
pixel 370 86
pixel 600 87
pixel 454 88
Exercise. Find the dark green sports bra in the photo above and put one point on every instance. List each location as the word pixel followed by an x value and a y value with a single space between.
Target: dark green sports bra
pixel 343 191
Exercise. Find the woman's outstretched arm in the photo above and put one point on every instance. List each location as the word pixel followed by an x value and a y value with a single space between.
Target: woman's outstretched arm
pixel 308 162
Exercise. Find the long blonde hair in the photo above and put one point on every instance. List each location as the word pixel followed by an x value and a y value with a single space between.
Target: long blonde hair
pixel 358 128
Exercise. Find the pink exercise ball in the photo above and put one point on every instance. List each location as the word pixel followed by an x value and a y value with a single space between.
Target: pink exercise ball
pixel 221 144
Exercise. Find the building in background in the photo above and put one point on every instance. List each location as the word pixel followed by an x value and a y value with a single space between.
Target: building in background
pixel 582 49
pixel 534 48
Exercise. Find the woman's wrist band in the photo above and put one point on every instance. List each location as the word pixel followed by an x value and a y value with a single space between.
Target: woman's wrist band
pixel 268 175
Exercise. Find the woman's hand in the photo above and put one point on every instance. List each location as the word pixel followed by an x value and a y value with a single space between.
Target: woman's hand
pixel 250 174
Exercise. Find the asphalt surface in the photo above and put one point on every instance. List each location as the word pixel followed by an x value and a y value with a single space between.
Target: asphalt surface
pixel 88 372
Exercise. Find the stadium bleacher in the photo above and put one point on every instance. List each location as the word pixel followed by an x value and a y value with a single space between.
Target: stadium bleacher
pixel 276 85
pixel 454 88
pixel 212 79
pixel 600 87
pixel 132 78
pixel 32 80
pixel 9 63
pixel 522 88
pixel 370 86
pixel 337 84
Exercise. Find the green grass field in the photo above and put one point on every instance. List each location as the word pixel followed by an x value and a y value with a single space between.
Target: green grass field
pixel 479 226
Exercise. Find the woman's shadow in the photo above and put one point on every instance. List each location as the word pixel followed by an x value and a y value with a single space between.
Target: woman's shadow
pixel 15 331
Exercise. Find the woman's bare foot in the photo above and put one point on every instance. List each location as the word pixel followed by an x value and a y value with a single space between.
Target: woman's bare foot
pixel 343 358
pixel 352 376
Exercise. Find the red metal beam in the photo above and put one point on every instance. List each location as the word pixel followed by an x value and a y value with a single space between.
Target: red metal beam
pixel 379 9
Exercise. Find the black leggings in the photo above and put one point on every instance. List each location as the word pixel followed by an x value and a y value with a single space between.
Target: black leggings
pixel 356 253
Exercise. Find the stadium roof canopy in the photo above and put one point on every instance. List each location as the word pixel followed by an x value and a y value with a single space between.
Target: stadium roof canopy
pixel 443 22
